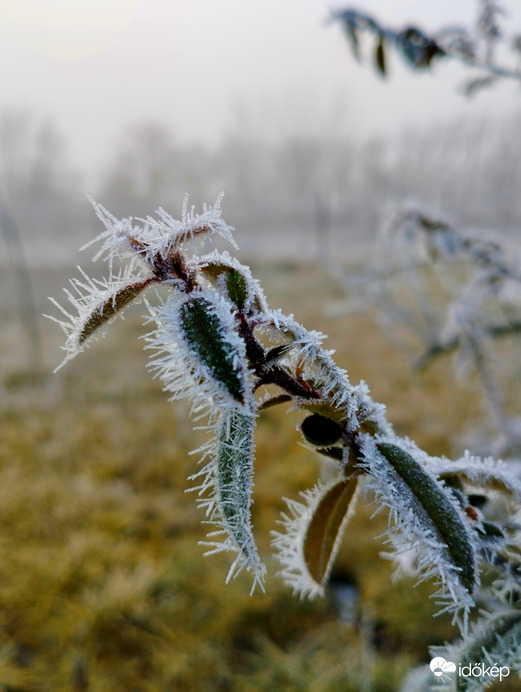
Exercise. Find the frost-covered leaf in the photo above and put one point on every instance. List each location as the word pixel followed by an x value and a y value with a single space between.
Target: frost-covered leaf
pixel 325 528
pixel 313 531
pixel 110 308
pixel 200 353
pixel 483 473
pixel 96 304
pixel 171 233
pixel 204 333
pixel 438 507
pixel 426 521
pixel 228 483
pixel 234 280
pixel 123 238
pixel 493 643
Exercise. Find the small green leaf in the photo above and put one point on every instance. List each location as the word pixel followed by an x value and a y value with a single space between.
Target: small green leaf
pixel 440 510
pixel 237 288
pixel 108 309
pixel 235 282
pixel 204 332
pixel 326 527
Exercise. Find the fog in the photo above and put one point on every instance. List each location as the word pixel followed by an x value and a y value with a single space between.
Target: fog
pixel 140 103
pixel 306 196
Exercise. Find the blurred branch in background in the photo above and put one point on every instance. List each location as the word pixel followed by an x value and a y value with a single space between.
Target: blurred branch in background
pixel 475 48
pixel 453 287
pixel 454 291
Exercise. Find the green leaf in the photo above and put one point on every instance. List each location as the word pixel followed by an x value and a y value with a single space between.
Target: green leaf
pixel 204 332
pixel 235 282
pixel 437 505
pixel 237 288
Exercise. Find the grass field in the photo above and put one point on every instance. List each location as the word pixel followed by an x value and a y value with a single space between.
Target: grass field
pixel 103 585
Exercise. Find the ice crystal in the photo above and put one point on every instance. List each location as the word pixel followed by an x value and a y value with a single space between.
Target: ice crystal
pixel 123 239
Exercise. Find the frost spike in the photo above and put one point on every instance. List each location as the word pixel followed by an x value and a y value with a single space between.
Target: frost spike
pixel 326 527
pixel 439 508
pixel 203 331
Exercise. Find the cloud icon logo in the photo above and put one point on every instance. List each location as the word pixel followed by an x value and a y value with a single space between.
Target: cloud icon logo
pixel 441 667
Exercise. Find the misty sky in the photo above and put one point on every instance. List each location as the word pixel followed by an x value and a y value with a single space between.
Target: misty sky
pixel 206 67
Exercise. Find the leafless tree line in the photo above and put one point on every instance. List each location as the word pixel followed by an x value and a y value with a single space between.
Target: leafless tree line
pixel 306 184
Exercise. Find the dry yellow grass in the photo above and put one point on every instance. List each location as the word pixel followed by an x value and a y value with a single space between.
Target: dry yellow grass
pixel 103 585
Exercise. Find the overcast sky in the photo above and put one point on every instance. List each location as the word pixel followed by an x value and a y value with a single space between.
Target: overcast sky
pixel 204 67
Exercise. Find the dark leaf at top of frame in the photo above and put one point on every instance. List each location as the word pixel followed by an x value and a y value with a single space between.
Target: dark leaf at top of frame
pixel 352 23
pixel 352 37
